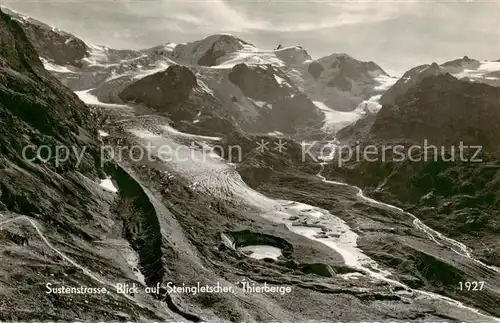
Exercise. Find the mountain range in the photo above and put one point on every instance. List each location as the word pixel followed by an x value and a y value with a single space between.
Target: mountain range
pixel 384 240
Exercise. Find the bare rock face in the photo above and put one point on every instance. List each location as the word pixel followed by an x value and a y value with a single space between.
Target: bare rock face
pixel 35 110
pixel 444 111
pixel 163 89
pixel 315 69
pixel 51 43
pixel 458 65
pixel 63 49
pixel 258 82
pixel 223 46
pixel 290 110
pixel 292 55
pixel 48 105
pixel 410 79
pixel 291 114
pixel 341 81
pixel 351 68
pixel 465 68
pixel 207 51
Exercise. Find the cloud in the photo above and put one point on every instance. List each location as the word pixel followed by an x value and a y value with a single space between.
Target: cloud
pixel 286 16
pixel 398 34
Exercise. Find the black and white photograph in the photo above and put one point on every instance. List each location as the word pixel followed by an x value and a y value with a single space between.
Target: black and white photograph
pixel 320 161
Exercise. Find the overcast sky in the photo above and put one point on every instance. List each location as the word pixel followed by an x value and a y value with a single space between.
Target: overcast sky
pixel 395 34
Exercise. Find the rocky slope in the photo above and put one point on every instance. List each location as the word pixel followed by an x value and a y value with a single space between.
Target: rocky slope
pixel 208 51
pixel 46 202
pixel 457 192
pixel 343 77
pixel 342 84
pixel 443 111
pixel 51 43
pixel 464 68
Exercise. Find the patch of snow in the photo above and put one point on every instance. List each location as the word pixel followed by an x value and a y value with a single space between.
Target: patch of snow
pixel 262 251
pixel 306 210
pixel 108 185
pixel 169 46
pixel 209 150
pixel 338 237
pixel 115 76
pixel 159 67
pixel 371 105
pixel 424 69
pixel 334 120
pixel 350 276
pixel 385 82
pixel 55 68
pixel 484 68
pixel 250 55
pixel 198 115
pixel 103 133
pixel 169 129
pixel 261 104
pixel 133 261
pixel 97 55
pixel 280 80
pixel 5 9
pixel 376 73
pixel 227 241
pixel 89 98
pixel 275 133
pixel 205 88
pixel 144 134
pixel 134 59
pixel 489 66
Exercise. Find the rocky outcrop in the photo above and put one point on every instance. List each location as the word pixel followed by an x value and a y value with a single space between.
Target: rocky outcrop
pixel 163 89
pixel 258 83
pixel 288 110
pixel 444 111
pixel 348 67
pixel 359 130
pixel 459 65
pixel 207 51
pixel 292 114
pixel 51 43
pixel 315 69
pixel 342 82
pixel 293 55
pixel 220 48
pixel 31 95
pixel 465 68
pixel 410 79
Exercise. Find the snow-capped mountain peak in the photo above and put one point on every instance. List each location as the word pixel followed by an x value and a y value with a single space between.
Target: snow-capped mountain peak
pixel 208 51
